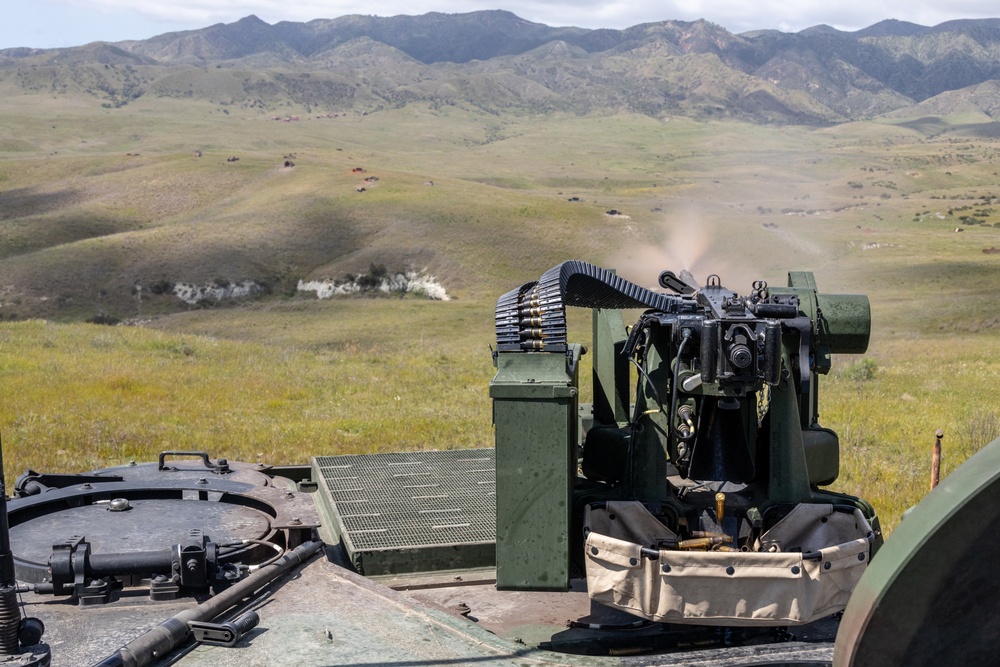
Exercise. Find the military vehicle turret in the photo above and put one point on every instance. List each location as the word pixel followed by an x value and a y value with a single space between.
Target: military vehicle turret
pixel 681 516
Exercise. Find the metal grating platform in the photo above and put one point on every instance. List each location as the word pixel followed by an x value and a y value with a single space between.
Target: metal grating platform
pixel 411 511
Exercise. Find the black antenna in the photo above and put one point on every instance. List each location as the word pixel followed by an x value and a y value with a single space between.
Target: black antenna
pixel 15 632
pixel 10 612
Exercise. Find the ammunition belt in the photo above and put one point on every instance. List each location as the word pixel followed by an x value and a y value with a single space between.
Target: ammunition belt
pixel 533 316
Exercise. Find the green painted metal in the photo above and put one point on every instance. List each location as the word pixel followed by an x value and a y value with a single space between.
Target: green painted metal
pixel 648 475
pixel 788 476
pixel 802 279
pixel 844 322
pixel 535 409
pixel 822 450
pixel 841 325
pixel 932 595
pixel 611 374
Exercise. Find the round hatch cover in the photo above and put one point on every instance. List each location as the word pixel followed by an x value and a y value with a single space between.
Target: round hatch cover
pixel 146 525
pixel 136 520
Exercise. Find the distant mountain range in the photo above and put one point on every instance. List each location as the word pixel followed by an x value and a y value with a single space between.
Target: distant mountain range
pixel 497 61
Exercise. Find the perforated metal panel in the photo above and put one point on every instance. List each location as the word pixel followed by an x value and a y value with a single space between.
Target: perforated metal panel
pixel 412 511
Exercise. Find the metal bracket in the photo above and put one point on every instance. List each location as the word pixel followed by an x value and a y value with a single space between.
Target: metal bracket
pixel 190 559
pixel 67 565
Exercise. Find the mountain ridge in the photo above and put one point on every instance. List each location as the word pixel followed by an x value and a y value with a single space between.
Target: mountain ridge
pixel 819 74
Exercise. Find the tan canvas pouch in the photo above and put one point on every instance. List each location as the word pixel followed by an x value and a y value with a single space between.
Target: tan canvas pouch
pixel 725 588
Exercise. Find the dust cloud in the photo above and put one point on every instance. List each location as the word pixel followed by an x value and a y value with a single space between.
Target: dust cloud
pixel 689 240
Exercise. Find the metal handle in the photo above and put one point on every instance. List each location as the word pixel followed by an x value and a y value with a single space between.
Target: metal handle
pixel 221 467
pixel 224 634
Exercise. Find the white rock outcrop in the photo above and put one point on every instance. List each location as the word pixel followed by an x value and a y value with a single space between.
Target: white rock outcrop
pixel 409 282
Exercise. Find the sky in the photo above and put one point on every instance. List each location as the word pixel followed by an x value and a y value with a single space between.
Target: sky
pixel 58 23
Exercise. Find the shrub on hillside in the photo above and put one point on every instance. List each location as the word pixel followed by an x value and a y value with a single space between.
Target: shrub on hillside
pixel 863 371
pixel 109 320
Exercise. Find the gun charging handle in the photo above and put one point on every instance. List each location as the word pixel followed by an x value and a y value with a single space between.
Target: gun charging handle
pixel 224 634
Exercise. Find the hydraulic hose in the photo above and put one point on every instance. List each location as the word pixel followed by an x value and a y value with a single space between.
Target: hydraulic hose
pixel 168 635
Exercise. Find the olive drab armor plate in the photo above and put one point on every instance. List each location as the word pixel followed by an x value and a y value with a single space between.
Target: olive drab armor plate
pixel 932 594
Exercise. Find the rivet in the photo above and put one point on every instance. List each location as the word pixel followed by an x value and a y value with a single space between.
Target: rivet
pixel 730 570
pixel 633 561
pixel 861 556
pixel 827 565
pixel 202 480
pixel 665 568
pixel 296 521
pixel 593 550
pixel 795 569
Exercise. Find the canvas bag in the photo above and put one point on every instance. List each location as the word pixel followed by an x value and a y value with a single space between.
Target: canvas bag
pixel 774 586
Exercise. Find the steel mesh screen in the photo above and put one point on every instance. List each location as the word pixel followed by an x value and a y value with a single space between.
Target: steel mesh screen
pixel 412 499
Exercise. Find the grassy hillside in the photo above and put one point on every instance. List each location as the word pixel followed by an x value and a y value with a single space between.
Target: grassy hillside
pixel 126 393
pixel 95 200
pixel 89 189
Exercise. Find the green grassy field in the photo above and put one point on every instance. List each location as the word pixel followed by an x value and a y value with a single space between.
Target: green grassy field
pixel 869 207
